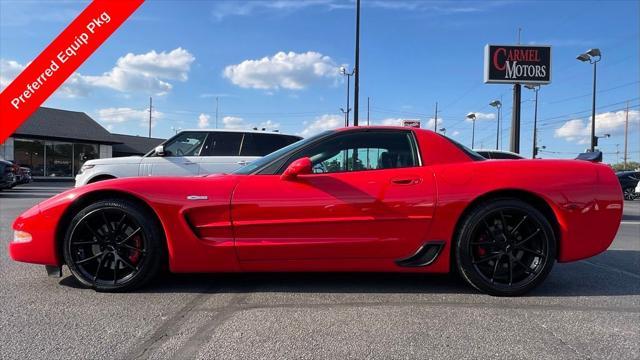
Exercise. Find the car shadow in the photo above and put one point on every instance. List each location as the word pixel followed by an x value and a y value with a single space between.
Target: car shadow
pixel 613 273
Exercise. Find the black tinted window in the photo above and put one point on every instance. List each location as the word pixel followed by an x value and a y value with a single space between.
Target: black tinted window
pixel 262 144
pixel 223 144
pixel 370 150
pixel 185 144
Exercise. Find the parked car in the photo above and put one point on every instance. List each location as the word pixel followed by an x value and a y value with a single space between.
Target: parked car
pixel 499 154
pixel 190 152
pixel 385 199
pixel 628 181
pixel 22 174
pixel 25 175
pixel 7 175
pixel 637 194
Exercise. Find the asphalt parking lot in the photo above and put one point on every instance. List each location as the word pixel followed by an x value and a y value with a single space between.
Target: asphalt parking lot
pixel 587 309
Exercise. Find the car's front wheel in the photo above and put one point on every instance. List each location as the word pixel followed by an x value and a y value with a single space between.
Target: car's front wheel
pixel 505 247
pixel 114 245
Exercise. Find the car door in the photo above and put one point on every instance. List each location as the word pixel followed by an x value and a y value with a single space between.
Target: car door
pixel 368 198
pixel 180 156
pixel 221 153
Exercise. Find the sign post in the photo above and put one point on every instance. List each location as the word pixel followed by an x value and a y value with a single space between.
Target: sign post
pixel 517 64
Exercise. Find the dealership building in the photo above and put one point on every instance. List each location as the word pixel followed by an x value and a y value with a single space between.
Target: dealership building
pixel 55 143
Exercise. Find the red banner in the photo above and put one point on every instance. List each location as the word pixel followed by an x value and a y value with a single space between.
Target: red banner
pixel 59 60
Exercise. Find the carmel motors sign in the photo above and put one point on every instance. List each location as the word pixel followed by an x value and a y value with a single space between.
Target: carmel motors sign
pixel 517 64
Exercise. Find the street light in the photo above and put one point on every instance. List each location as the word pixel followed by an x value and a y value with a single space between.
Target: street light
pixel 535 88
pixel 472 117
pixel 343 71
pixel 498 105
pixel 593 56
pixel 443 131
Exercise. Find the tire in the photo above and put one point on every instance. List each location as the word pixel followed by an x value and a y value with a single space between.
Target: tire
pixel 114 245
pixel 505 263
pixel 629 193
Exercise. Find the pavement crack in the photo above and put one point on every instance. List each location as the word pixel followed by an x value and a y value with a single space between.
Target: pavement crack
pixel 169 326
pixel 203 334
pixel 560 340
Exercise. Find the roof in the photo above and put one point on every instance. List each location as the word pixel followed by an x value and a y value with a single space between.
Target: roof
pixel 132 144
pixel 64 124
pixel 240 131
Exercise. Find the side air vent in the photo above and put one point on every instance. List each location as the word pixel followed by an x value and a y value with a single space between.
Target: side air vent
pixel 425 255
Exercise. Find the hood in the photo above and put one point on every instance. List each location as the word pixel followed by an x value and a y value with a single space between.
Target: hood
pixel 115 161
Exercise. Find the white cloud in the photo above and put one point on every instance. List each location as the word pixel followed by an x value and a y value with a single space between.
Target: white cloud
pixel 290 70
pixel 238 123
pixel 234 123
pixel 122 115
pixel 482 116
pixel 148 73
pixel 9 69
pixel 455 133
pixel 145 72
pixel 399 122
pixel 203 121
pixel 322 123
pixel 224 9
pixel 579 131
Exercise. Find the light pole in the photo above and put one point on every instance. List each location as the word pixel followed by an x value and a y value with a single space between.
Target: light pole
pixel 498 105
pixel 472 117
pixel 443 131
pixel 346 116
pixel 593 56
pixel 535 88
pixel 343 71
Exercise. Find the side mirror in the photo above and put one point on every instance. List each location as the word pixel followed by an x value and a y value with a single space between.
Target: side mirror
pixel 299 167
pixel 159 150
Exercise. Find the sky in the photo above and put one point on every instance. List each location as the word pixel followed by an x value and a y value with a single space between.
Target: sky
pixel 275 65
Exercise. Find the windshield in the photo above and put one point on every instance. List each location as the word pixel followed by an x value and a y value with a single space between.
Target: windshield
pixel 251 167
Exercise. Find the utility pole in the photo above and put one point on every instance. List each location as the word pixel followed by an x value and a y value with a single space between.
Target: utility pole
pixel 150 112
pixel 368 110
pixel 435 119
pixel 217 106
pixel 626 134
pixel 356 87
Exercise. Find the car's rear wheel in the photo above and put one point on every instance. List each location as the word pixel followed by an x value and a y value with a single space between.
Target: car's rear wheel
pixel 114 245
pixel 505 247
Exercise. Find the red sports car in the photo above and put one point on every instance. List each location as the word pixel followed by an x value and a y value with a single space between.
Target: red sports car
pixel 356 199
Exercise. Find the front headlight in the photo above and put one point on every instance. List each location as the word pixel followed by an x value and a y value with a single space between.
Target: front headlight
pixel 85 168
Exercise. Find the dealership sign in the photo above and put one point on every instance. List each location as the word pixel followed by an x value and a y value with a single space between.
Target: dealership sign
pixel 411 123
pixel 517 64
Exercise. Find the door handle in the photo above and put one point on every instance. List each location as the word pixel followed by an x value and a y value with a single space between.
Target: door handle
pixel 406 181
pixel 243 162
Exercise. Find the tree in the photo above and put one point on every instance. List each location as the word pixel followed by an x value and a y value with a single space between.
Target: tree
pixel 631 165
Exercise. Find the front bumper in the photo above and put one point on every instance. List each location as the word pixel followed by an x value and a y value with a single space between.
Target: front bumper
pixel 41 248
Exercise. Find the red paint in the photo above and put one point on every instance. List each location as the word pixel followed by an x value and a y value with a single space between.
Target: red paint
pixel 355 221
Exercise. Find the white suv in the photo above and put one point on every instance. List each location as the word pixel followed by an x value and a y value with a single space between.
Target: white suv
pixel 190 152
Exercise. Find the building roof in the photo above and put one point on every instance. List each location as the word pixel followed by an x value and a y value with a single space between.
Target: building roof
pixel 63 124
pixel 131 144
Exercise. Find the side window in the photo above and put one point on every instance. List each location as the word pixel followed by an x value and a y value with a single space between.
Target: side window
pixel 255 144
pixel 223 144
pixel 363 151
pixel 185 144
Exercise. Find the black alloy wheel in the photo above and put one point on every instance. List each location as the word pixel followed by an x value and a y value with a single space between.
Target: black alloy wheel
pixel 505 247
pixel 114 245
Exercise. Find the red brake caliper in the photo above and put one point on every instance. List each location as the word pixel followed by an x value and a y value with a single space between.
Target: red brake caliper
pixel 134 255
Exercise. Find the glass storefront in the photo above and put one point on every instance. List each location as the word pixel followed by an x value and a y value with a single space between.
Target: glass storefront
pixel 53 158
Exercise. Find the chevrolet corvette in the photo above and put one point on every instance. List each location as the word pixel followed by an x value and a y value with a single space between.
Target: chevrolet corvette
pixel 369 199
